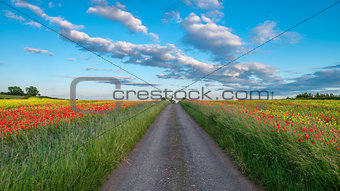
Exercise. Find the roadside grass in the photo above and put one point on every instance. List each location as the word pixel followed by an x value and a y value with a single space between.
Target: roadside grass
pixel 73 156
pixel 275 162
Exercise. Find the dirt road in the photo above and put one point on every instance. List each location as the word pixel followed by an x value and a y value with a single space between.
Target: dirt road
pixel 177 154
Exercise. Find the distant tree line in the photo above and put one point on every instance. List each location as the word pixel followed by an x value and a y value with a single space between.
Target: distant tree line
pixel 16 90
pixel 317 96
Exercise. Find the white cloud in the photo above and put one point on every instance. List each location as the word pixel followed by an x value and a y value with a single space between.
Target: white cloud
pixel 204 4
pixel 100 69
pixel 292 37
pixel 38 51
pixel 158 75
pixel 215 15
pixel 209 84
pixel 70 59
pixel 62 23
pixel 12 15
pixel 139 84
pixel 171 16
pixel 99 2
pixel 154 37
pixel 89 68
pixel 33 23
pixel 50 5
pixel 264 32
pixel 117 14
pixel 205 35
pixel 33 8
pixel 129 81
pixel 120 6
pixel 268 30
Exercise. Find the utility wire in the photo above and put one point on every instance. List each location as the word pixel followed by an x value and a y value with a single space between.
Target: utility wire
pixel 79 44
pixel 138 113
pixel 271 39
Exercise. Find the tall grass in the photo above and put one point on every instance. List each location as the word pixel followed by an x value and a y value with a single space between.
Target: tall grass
pixel 275 162
pixel 73 156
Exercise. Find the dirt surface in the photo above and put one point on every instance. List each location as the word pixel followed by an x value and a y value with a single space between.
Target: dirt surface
pixel 177 154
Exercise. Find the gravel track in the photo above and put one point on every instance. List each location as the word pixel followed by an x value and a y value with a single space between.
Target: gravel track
pixel 177 154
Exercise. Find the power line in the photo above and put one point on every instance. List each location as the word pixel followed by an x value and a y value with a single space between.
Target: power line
pixel 230 62
pixel 203 77
pixel 271 39
pixel 64 36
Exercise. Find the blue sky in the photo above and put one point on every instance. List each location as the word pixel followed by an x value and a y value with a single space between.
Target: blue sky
pixel 170 44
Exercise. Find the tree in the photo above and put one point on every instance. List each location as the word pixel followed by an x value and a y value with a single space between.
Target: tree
pixel 32 91
pixel 15 90
pixel 317 95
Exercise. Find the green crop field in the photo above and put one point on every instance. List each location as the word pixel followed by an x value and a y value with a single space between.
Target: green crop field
pixel 70 155
pixel 279 144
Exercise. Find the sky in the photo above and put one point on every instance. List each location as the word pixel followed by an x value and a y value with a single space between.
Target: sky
pixel 170 44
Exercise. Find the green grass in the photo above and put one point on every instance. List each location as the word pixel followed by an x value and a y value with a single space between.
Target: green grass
pixel 272 162
pixel 73 156
pixel 4 96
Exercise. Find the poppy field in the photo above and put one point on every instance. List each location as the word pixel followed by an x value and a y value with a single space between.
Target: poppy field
pixel 45 145
pixel 20 115
pixel 279 144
